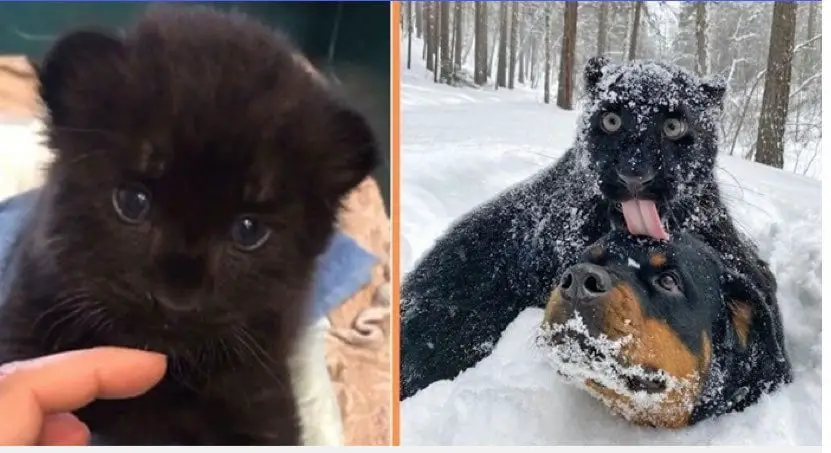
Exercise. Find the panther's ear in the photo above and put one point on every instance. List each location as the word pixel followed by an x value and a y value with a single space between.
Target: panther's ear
pixel 80 71
pixel 593 72
pixel 353 152
pixel 714 88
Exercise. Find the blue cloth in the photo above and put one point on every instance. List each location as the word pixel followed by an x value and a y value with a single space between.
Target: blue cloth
pixel 342 269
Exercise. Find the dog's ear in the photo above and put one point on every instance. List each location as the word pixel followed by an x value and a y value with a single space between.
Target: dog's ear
pixel 750 313
pixel 740 298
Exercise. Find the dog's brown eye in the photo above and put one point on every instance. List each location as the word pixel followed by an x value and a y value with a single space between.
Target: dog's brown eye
pixel 675 128
pixel 669 282
pixel 610 122
pixel 131 203
pixel 249 233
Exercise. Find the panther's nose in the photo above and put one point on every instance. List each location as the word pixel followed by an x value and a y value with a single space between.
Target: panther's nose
pixel 636 183
pixel 584 282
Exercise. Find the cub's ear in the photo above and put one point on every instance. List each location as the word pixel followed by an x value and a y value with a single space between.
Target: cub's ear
pixel 354 153
pixel 79 72
pixel 593 72
pixel 714 88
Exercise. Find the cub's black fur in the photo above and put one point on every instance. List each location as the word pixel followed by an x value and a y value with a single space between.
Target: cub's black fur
pixel 199 167
pixel 628 286
pixel 502 257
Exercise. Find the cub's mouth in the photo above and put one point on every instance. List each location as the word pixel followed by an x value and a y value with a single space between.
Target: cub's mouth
pixel 642 217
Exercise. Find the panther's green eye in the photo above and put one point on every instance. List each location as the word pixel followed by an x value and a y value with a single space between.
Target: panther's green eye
pixel 610 122
pixel 675 128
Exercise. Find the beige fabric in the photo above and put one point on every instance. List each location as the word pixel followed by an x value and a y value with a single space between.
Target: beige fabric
pixel 18 93
pixel 359 339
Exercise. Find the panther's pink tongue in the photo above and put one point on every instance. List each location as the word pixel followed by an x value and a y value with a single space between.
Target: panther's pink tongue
pixel 642 219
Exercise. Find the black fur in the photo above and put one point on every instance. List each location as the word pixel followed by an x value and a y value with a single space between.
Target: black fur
pixel 211 117
pixel 739 373
pixel 502 257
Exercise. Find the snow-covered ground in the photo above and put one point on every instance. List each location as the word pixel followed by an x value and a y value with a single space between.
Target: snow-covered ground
pixel 460 147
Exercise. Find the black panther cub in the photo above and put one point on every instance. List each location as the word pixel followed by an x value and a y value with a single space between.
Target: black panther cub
pixel 198 173
pixel 644 155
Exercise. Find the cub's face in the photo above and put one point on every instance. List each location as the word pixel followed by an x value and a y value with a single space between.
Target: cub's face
pixel 198 173
pixel 650 130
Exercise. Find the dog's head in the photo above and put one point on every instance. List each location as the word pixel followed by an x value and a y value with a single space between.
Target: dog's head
pixel 640 324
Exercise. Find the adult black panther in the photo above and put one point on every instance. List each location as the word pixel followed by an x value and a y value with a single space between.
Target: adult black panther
pixel 644 155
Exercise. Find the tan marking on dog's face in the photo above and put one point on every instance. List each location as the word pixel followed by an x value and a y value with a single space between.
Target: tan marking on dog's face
pixel 596 252
pixel 622 315
pixel 706 353
pixel 741 315
pixel 654 344
pixel 554 313
pixel 657 260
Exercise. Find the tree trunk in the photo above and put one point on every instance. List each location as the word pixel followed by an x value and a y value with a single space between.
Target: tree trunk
pixel 565 85
pixel 636 25
pixel 492 53
pixel 770 145
pixel 409 34
pixel 532 68
pixel 812 21
pixel 809 52
pixel 436 40
pixel 428 33
pixel 702 66
pixel 502 61
pixel 522 46
pixel 446 58
pixel 480 32
pixel 419 18
pixel 547 79
pixel 513 44
pixel 602 25
pixel 457 43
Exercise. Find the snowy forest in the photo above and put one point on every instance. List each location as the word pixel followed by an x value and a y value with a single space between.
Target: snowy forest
pixel 768 52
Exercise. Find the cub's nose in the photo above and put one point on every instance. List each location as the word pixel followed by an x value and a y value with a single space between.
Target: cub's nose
pixel 583 282
pixel 636 183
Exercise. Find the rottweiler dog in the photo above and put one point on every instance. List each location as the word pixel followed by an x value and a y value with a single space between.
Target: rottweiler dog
pixel 662 332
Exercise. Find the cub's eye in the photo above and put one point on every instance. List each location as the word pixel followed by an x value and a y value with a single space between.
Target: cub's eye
pixel 610 122
pixel 249 233
pixel 669 282
pixel 131 203
pixel 675 128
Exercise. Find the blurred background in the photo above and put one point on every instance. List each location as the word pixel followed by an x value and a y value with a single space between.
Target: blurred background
pixel 348 41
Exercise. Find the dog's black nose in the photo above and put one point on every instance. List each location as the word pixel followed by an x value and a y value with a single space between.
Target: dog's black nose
pixel 585 281
pixel 636 183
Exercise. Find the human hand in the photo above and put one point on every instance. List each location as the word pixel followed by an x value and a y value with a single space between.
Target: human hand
pixel 37 396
